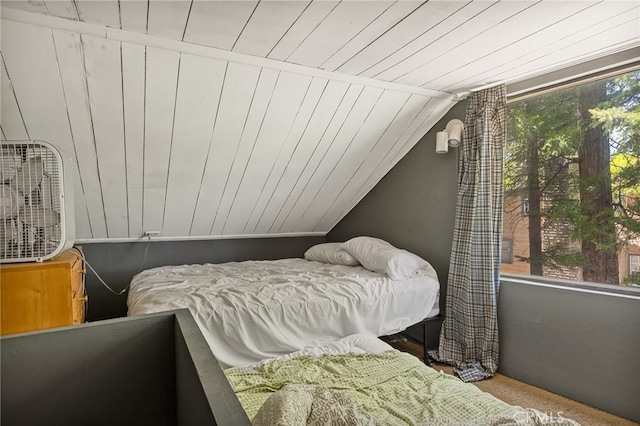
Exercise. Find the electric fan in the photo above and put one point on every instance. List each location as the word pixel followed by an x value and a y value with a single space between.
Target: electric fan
pixel 36 203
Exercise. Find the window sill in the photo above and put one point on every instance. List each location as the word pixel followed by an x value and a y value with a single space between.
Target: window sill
pixel 583 286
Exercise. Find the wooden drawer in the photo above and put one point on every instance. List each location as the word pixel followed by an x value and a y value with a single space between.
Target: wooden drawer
pixel 42 295
pixel 78 296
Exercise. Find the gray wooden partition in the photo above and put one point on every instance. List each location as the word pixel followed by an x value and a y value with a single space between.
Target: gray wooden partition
pixel 153 369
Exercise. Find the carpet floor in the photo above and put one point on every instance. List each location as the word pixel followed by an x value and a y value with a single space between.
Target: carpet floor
pixel 517 393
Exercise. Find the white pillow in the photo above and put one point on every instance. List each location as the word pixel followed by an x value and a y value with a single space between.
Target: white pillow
pixel 331 253
pixel 379 256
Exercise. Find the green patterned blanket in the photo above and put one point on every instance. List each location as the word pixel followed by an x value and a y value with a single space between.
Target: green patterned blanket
pixel 395 388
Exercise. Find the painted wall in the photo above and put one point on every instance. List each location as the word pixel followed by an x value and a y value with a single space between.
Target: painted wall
pixel 154 369
pixel 580 345
pixel 54 375
pixel 117 263
pixel 413 206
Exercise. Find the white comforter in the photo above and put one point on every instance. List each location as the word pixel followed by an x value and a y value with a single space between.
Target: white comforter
pixel 254 310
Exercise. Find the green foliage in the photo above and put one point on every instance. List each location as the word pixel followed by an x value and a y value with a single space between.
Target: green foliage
pixel 550 124
pixel 632 280
pixel 620 117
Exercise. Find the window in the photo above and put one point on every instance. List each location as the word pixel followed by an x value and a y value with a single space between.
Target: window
pixel 634 263
pixel 507 251
pixel 572 182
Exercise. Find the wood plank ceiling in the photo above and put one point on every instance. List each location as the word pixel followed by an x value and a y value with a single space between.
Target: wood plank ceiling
pixel 221 118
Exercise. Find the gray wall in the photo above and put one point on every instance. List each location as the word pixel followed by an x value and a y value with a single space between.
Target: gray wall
pixel 413 206
pixel 117 263
pixel 154 369
pixel 203 394
pixel 581 345
pixel 92 374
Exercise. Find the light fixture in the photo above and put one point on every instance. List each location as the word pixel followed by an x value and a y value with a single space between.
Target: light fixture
pixel 442 145
pixel 450 136
pixel 454 128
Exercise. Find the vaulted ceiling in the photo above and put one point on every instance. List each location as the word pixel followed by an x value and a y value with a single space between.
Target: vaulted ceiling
pixel 219 118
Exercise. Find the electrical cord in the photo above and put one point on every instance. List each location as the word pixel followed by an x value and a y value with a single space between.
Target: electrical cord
pixel 117 293
pixel 144 258
pixel 121 292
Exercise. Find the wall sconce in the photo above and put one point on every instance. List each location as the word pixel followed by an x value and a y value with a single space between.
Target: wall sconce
pixel 450 136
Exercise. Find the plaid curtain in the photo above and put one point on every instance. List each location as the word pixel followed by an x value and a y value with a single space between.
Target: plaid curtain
pixel 469 337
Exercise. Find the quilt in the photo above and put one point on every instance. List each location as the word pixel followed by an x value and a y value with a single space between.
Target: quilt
pixel 393 387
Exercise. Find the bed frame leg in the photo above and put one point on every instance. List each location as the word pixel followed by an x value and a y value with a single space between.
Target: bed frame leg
pixel 425 350
pixel 425 354
pixel 425 336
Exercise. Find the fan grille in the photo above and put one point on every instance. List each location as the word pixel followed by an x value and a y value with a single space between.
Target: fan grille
pixel 30 201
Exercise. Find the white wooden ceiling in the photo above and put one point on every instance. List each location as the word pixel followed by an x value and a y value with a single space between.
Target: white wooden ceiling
pixel 218 118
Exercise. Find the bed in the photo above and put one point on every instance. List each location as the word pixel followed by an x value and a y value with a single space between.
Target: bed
pixel 254 310
pixel 362 380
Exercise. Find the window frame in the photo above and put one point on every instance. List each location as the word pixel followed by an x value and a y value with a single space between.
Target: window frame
pixel 596 69
pixel 602 288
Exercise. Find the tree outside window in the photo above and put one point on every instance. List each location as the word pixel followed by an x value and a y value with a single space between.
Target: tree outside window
pixel 573 160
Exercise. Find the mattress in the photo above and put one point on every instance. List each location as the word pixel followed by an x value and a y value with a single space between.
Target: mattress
pixel 392 387
pixel 255 310
pixel 361 343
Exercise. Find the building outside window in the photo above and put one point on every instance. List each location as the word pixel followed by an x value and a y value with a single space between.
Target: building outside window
pixel 572 182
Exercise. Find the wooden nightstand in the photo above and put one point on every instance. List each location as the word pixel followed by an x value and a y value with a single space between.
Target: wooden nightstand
pixel 42 295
